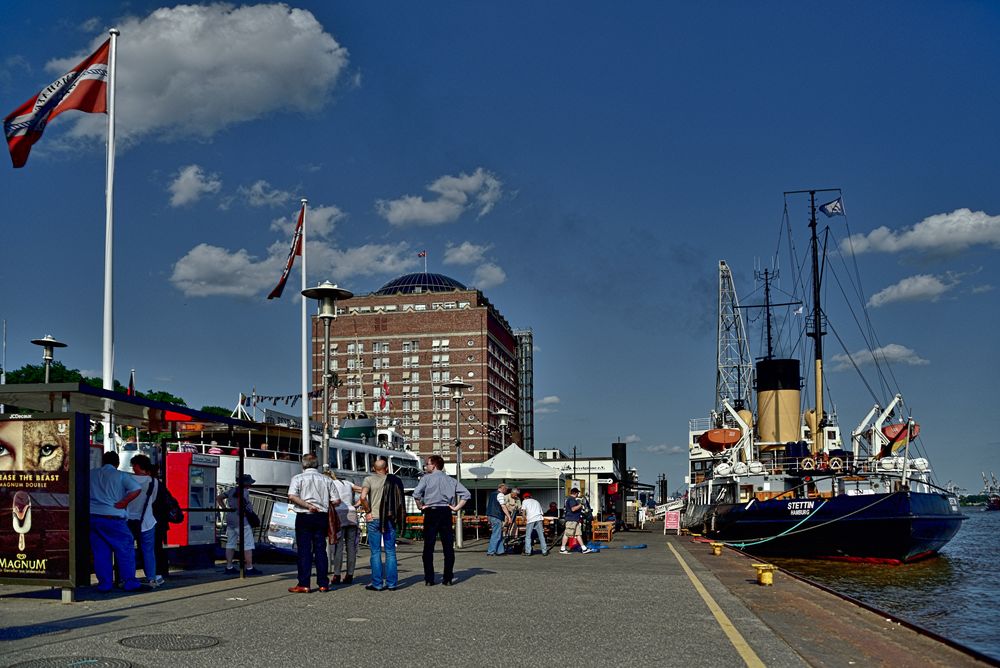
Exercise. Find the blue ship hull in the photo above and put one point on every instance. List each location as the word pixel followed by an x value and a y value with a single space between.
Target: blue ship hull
pixel 898 527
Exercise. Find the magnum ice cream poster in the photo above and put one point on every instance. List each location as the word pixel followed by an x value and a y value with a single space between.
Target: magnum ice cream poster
pixel 34 499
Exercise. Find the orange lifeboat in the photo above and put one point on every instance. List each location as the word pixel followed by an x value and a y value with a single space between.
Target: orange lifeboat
pixel 716 440
pixel 898 436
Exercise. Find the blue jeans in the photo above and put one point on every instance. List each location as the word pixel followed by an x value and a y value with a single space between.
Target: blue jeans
pixel 147 545
pixel 496 536
pixel 376 541
pixel 310 538
pixel 534 527
pixel 111 536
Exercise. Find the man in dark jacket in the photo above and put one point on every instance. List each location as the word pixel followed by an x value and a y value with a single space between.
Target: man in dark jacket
pixel 382 496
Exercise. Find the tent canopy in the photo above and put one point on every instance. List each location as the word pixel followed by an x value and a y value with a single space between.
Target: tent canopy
pixel 513 465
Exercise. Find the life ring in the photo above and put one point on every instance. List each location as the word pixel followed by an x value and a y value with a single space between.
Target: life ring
pixel 836 463
pixel 808 464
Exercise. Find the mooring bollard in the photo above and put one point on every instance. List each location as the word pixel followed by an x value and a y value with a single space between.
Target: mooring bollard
pixel 717 549
pixel 765 574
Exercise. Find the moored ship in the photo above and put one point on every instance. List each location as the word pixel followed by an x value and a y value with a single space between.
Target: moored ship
pixel 991 490
pixel 779 481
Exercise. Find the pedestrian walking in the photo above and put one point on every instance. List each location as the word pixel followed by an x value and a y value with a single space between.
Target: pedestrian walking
pixel 141 521
pixel 533 519
pixel 438 495
pixel 382 495
pixel 498 516
pixel 574 524
pixel 111 491
pixel 310 496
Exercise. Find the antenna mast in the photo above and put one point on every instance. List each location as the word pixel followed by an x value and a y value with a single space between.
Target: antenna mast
pixel 734 372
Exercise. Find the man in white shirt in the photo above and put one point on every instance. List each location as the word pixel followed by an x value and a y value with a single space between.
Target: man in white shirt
pixel 310 497
pixel 533 519
pixel 140 513
pixel 111 491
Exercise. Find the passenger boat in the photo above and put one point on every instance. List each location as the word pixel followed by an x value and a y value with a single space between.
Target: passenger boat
pixel 351 453
pixel 991 490
pixel 788 486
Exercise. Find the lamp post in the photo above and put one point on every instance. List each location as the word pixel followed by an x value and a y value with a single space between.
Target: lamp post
pixel 48 344
pixel 503 416
pixel 458 387
pixel 327 294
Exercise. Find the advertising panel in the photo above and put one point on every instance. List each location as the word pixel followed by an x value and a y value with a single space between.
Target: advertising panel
pixel 35 510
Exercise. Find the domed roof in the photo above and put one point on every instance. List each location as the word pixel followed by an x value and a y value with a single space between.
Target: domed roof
pixel 423 282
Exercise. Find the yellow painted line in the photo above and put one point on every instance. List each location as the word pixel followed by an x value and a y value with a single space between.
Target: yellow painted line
pixel 739 643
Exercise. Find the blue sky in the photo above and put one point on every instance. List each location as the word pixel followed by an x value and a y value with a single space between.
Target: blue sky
pixel 586 165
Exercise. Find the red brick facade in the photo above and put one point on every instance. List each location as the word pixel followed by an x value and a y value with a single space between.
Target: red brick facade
pixel 415 343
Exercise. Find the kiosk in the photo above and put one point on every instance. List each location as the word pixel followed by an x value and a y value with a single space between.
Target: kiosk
pixel 191 480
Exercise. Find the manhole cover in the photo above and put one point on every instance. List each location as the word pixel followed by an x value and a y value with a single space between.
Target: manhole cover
pixel 75 662
pixel 170 642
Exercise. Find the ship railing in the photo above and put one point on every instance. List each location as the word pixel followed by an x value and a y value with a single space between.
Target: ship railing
pixel 217 449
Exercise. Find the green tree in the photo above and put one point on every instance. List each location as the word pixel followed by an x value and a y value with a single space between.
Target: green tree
pixel 35 373
pixel 216 410
pixel 166 397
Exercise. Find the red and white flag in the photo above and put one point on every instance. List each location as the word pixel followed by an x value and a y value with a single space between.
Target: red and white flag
pixel 131 384
pixel 422 254
pixel 84 88
pixel 295 250
pixel 384 399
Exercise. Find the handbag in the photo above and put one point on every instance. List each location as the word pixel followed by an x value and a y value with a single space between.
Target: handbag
pixel 252 519
pixel 166 508
pixel 332 525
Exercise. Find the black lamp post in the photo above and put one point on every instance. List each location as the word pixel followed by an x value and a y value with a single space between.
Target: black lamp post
pixel 48 344
pixel 458 387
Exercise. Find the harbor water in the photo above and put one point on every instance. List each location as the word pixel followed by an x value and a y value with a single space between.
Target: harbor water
pixel 956 595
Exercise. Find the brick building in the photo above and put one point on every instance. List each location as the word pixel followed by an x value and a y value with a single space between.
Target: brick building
pixel 409 337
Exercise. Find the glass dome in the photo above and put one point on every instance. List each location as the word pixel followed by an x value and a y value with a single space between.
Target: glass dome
pixel 423 282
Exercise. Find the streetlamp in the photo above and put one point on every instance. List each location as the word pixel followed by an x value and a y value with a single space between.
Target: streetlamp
pixel 503 416
pixel 457 387
pixel 327 294
pixel 48 344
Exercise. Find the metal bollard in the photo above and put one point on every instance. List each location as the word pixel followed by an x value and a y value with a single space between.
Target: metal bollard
pixel 765 574
pixel 717 549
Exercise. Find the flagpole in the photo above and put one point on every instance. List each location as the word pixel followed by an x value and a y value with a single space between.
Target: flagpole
pixel 109 339
pixel 306 432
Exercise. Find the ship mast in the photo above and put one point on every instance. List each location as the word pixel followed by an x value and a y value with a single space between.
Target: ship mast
pixel 817 332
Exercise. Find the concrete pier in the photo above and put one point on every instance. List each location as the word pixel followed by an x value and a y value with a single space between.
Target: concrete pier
pixel 670 604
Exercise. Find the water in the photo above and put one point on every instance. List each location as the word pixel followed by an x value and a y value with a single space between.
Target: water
pixel 956 595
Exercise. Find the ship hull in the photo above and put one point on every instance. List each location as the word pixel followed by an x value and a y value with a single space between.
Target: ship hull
pixel 896 528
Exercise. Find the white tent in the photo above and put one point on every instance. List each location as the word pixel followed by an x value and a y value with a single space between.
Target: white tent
pixel 514 466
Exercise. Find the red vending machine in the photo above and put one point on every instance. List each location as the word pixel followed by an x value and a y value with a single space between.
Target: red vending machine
pixel 191 480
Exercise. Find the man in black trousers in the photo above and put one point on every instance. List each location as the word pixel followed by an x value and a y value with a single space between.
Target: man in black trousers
pixel 438 495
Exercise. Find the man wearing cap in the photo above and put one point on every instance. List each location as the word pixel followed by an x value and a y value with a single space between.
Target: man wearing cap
pixel 230 501
pixel 574 525
pixel 310 497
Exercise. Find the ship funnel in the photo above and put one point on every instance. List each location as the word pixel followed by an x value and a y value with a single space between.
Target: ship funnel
pixel 778 385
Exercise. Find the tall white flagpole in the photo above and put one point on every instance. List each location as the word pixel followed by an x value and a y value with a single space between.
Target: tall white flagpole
pixel 108 371
pixel 306 432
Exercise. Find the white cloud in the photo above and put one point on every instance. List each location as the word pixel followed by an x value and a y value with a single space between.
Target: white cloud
pixel 456 194
pixel 943 233
pixel 892 353
pixel 320 221
pixel 488 276
pixel 547 405
pixel 194 70
pixel 979 289
pixel 262 194
pixel 212 271
pixel 631 438
pixel 191 183
pixel 664 449
pixel 465 253
pixel 922 287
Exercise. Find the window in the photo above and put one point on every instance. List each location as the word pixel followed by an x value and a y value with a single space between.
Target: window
pixel 445 360
pixel 420 307
pixel 416 376
pixel 446 433
pixel 334 458
pixel 445 343
pixel 348 461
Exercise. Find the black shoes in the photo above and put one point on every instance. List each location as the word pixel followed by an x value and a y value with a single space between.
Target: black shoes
pixel 429 583
pixel 372 588
pixel 448 583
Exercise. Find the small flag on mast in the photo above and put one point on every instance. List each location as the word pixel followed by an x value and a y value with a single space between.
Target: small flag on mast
pixel 834 208
pixel 296 249
pixel 131 384
pixel 84 88
pixel 422 254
